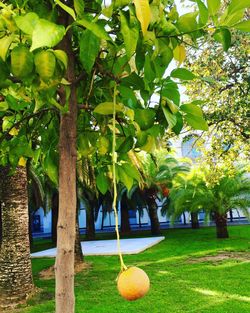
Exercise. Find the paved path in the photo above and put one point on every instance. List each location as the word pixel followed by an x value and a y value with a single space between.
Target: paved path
pixel 108 247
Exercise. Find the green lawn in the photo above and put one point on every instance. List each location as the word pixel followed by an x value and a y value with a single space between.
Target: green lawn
pixel 180 282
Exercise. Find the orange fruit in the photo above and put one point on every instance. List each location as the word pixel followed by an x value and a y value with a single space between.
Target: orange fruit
pixel 133 283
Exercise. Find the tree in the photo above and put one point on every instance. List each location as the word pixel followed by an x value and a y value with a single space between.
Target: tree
pixel 16 275
pixel 49 67
pixel 194 193
pixel 224 99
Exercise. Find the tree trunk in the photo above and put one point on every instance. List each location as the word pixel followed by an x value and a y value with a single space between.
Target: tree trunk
pixel 66 228
pixel 54 208
pixel 221 225
pixel 0 218
pixel 78 246
pixel 15 266
pixel 90 223
pixel 125 225
pixel 155 225
pixel 30 228
pixel 194 220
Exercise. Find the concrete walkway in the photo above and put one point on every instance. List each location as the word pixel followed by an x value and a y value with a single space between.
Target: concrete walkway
pixel 108 247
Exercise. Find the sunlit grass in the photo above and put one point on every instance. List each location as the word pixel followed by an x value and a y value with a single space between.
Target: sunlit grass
pixel 177 285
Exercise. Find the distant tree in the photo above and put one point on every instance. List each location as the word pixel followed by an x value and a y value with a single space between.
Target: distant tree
pixel 194 193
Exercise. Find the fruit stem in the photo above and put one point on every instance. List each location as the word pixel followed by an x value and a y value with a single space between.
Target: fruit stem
pixel 114 161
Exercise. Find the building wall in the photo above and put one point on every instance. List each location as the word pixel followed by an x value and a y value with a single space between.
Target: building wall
pixel 109 220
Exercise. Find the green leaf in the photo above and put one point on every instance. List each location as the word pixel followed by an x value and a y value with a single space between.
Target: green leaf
pixel 179 124
pixel 162 61
pixel 79 7
pixel 106 108
pixel 130 36
pixel 149 73
pixel 62 57
pixel 3 106
pixel 128 94
pixel 196 122
pixel 124 178
pixel 132 171
pixel 149 146
pixel 232 18
pixel 46 34
pixel 4 70
pixel 170 117
pixel 145 118
pixel 27 22
pixel 89 48
pixel 236 5
pixel 66 9
pixel 103 145
pixel 51 166
pixel 83 145
pixel 213 6
pixel 182 73
pixel 102 182
pixel 223 36
pixel 95 28
pixel 203 16
pixel 243 26
pixel 126 145
pixel 192 109
pixel 5 43
pixel 173 107
pixel 170 91
pixel 14 104
pixel 187 22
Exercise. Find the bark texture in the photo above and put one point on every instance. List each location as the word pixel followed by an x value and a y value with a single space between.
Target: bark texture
pixel 221 225
pixel 15 266
pixel 66 229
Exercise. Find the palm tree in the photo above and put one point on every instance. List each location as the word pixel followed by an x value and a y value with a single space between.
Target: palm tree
pixel 15 275
pixel 192 193
pixel 158 172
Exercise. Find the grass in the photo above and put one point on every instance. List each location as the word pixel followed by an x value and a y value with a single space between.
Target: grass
pixel 177 285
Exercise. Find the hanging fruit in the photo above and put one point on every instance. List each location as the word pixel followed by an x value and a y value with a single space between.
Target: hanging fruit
pixel 133 283
pixel 45 62
pixel 21 62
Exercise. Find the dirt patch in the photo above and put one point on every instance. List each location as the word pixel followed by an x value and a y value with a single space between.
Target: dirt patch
pixel 49 273
pixel 222 256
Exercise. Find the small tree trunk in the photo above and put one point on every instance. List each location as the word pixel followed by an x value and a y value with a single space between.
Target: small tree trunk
pixel 15 266
pixel 78 246
pixel 194 220
pixel 155 225
pixel 125 225
pixel 66 228
pixel 54 208
pixel 90 221
pixel 231 216
pixel 221 225
pixel 184 219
